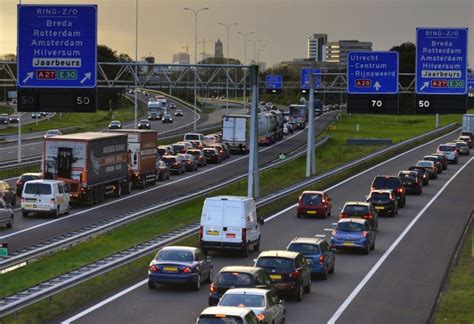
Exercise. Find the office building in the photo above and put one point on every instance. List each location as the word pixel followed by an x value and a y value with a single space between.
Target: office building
pixel 315 46
pixel 336 52
pixel 181 58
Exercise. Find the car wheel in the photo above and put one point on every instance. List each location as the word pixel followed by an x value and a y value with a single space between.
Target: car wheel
pixel 119 190
pixel 307 289
pixel 10 224
pixel 197 285
pixel 256 247
pixel 56 213
pixel 151 284
pixel 299 293
pixel 366 250
pixel 373 246
pixel 246 250
pixel 324 275
pixel 333 268
pixel 209 278
pixel 298 215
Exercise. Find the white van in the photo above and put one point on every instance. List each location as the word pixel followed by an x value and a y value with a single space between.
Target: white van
pixel 227 314
pixel 230 222
pixel 45 196
pixel 196 138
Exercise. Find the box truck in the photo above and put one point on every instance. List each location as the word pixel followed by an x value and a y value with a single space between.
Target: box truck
pixel 142 152
pixel 93 165
pixel 236 132
pixel 468 125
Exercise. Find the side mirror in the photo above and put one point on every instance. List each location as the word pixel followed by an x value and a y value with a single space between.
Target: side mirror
pixel 334 225
pixel 261 221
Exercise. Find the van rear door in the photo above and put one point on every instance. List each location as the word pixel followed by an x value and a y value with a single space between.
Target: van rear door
pixel 212 221
pixel 233 221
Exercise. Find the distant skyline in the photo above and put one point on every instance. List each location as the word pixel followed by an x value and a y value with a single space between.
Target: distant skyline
pixel 283 26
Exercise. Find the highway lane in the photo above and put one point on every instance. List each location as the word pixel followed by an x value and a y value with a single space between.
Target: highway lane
pixel 148 306
pixel 31 230
pixel 406 287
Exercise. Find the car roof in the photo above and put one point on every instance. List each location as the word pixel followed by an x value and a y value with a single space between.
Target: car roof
pixel 385 176
pixel 279 253
pixel 359 203
pixel 45 181
pixel 85 136
pixel 383 190
pixel 253 291
pixel 424 161
pixel 39 174
pixel 227 310
pixel 354 220
pixel 313 192
pixel 245 269
pixel 312 240
pixel 180 247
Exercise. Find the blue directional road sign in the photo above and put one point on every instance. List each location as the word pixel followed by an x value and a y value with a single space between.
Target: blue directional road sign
pixel 305 73
pixel 57 46
pixel 470 82
pixel 274 82
pixel 441 60
pixel 372 73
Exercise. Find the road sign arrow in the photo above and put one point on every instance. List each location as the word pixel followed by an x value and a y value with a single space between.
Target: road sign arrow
pixel 87 76
pixel 425 84
pixel 377 86
pixel 29 76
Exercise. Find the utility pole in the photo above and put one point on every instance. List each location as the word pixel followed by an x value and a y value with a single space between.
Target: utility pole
pixel 227 76
pixel 203 48
pixel 245 63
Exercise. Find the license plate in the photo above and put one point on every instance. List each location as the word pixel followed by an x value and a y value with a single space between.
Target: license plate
pixel 170 269
pixel 348 244
pixel 379 208
pixel 230 235
pixel 28 205
pixel 212 232
pixel 275 277
pixel 311 212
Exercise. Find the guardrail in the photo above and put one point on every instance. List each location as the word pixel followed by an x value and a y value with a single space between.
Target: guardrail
pixel 31 160
pixel 43 290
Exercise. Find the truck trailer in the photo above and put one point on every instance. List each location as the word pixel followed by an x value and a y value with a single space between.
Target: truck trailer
pixel 93 165
pixel 236 132
pixel 142 153
pixel 299 115
pixel 468 124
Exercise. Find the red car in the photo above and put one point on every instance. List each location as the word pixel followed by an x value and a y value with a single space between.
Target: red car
pixel 314 203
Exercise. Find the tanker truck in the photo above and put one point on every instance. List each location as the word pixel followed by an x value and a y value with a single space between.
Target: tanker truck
pixel 266 128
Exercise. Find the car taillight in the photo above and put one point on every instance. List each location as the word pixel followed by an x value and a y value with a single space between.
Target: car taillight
pixel 19 183
pixel 261 317
pixel 244 235
pixel 368 216
pixel 187 270
pixel 212 288
pixel 424 175
pixel 400 190
pixel 294 274
pixel 52 201
pixel 325 201
pixel 365 234
pixel 333 233
pixel 200 233
pixel 344 215
pixel 321 259
pixel 153 268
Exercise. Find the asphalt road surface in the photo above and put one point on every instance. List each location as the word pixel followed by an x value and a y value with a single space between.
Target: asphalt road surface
pixel 409 269
pixel 32 230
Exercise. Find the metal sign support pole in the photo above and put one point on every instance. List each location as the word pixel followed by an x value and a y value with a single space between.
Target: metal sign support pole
pixel 253 181
pixel 19 136
pixel 310 158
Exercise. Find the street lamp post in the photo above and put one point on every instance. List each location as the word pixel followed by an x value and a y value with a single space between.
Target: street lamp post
pixel 245 63
pixel 255 42
pixel 195 57
pixel 227 77
pixel 136 62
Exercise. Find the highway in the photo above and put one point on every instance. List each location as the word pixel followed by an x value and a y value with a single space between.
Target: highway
pixel 32 230
pixel 413 251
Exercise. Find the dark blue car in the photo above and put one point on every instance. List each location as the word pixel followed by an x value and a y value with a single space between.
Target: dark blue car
pixel 180 264
pixel 316 250
pixel 353 233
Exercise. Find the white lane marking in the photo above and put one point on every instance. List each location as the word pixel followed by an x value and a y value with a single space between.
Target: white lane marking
pixel 392 247
pixel 281 212
pixel 141 192
pixel 104 302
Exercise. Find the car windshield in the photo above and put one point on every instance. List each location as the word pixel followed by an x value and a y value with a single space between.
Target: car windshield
pixel 304 248
pixel 446 148
pixel 425 163
pixel 219 319
pixel 38 189
pixel 407 177
pixel 209 152
pixel 25 178
pixel 175 255
pixel 312 199
pixel 350 227
pixel 353 210
pixel 235 279
pixel 380 195
pixel 243 300
pixel 461 144
pixel 275 263
pixel 191 137
pixel 386 182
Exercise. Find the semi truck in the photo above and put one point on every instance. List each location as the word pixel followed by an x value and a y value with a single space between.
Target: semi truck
pixel 266 128
pixel 299 115
pixel 154 109
pixel 236 132
pixel 142 151
pixel 280 121
pixel 93 165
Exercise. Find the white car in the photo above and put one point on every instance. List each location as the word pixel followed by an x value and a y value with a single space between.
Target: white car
pixel 450 151
pixel 52 133
pixel 45 197
pixel 227 315
pixel 263 302
pixel 6 214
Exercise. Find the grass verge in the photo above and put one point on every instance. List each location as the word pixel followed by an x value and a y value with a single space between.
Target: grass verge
pixel 15 172
pixel 6 109
pixel 151 226
pixel 457 299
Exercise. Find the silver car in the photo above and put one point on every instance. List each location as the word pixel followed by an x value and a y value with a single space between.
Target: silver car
pixel 6 214
pixel 263 302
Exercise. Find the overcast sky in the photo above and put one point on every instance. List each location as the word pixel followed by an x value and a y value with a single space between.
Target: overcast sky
pixel 283 25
